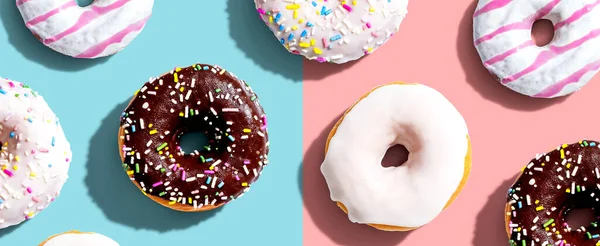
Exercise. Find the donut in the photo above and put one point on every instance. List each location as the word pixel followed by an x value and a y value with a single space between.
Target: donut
pixel 199 98
pixel 502 36
pixel 437 168
pixel 34 154
pixel 332 31
pixel 101 29
pixel 548 188
pixel 76 238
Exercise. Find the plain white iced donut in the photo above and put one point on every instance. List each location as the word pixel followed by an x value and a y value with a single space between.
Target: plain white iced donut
pixel 332 31
pixel 101 29
pixel 502 35
pixel 79 239
pixel 34 157
pixel 410 195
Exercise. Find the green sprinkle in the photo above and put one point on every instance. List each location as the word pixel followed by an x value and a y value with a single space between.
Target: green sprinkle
pixel 162 170
pixel 192 112
pixel 162 193
pixel 137 168
pixel 253 98
pixel 202 159
pixel 548 222
pixel 523 242
pixel 218 90
pixel 578 188
pixel 125 166
pixel 588 235
pixel 162 146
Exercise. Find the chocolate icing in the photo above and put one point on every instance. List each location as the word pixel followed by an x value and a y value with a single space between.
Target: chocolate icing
pixel 550 186
pixel 200 98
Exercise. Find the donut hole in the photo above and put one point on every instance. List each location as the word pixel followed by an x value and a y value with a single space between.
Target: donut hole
pixel 193 141
pixel 395 156
pixel 542 32
pixel 580 217
pixel 84 3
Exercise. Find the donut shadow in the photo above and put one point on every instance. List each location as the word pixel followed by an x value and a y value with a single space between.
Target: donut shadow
pixel 258 43
pixel 7 231
pixel 118 198
pixel 490 227
pixel 330 219
pixel 33 50
pixel 482 81
pixel 314 71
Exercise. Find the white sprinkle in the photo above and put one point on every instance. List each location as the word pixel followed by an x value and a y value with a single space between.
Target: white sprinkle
pixel 574 171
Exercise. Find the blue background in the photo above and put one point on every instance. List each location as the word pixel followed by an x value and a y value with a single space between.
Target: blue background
pixel 89 95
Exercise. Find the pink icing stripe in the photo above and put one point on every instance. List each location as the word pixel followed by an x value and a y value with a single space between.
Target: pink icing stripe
pixel 21 2
pixel 86 18
pixel 117 38
pixel 523 24
pixel 547 55
pixel 508 53
pixel 573 78
pixel 577 15
pixel 51 13
pixel 495 4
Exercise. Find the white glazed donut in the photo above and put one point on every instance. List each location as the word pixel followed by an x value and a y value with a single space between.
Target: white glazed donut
pixel 332 31
pixel 101 29
pixel 502 36
pixel 34 157
pixel 75 238
pixel 413 194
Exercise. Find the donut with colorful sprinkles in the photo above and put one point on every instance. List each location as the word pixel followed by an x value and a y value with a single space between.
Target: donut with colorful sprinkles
pixel 549 187
pixel 34 154
pixel 199 98
pixel 335 31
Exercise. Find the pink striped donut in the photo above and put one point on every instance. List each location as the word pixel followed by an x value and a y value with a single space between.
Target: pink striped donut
pixel 502 36
pixel 101 29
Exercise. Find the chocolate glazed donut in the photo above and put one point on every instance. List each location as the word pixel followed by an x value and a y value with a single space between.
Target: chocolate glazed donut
pixel 200 98
pixel 550 186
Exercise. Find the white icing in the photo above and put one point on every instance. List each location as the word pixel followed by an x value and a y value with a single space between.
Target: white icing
pixel 34 151
pixel 79 239
pixel 368 25
pixel 101 29
pixel 557 69
pixel 413 194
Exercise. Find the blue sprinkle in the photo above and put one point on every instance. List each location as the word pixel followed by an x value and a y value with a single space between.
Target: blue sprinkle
pixel 282 41
pixel 49 165
pixel 291 37
pixel 309 24
pixel 2 91
pixel 323 9
pixel 221 184
pixel 30 120
pixel 132 128
pixel 592 144
pixel 53 141
pixel 208 180
pixel 12 134
pixel 281 27
pixel 595 236
pixel 277 17
pixel 314 4
pixel 205 68
pixel 209 159
pixel 335 38
pixel 328 12
pixel 520 205
pixel 231 138
pixel 303 33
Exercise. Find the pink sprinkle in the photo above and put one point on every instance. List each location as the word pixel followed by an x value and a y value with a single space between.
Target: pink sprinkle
pixel 209 172
pixel 237 178
pixel 44 150
pixel 321 59
pixel 226 164
pixel 35 199
pixel 325 43
pixel 32 151
pixel 11 84
pixel 246 162
pixel 374 34
pixel 9 173
pixel 67 159
pixel 347 7
pixel 183 176
pixel 261 11
pixel 157 184
pixel 29 190
pixel 264 119
pixel 369 24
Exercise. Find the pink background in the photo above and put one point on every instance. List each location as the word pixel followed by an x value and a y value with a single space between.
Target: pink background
pixel 434 47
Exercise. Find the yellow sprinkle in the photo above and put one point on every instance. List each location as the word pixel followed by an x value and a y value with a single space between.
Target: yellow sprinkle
pixel 30 214
pixel 175 77
pixel 181 89
pixel 370 50
pixel 354 2
pixel 568 165
pixel 247 130
pixel 156 87
pixel 537 201
pixel 160 152
pixel 371 9
pixel 189 200
pixel 211 167
pixel 568 190
pixel 244 184
pixel 177 69
pixel 547 228
pixel 172 202
pixel 180 114
pixel 317 51
pixel 304 45
pixel 300 21
pixel 15 167
pixel 295 14
pixel 17 158
pixel 136 92
pixel 543 164
pixel 313 42
pixel 565 145
pixel 150 125
pixel 153 132
pixel 130 172
pixel 540 208
pixel 32 175
pixel 294 27
pixel 562 153
pixel 171 156
pixel 270 19
pixel 293 6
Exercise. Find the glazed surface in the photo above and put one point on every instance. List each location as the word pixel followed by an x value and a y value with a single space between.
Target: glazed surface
pixel 502 36
pixel 332 31
pixel 200 98
pixel 101 29
pixel 34 154
pixel 550 186
pixel 423 185
pixel 80 239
